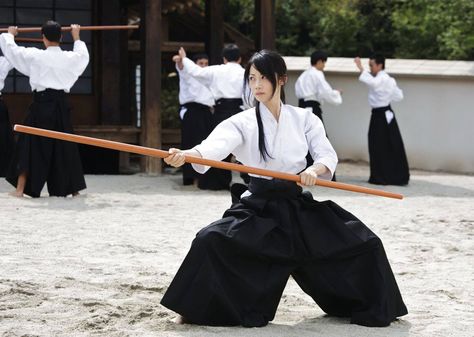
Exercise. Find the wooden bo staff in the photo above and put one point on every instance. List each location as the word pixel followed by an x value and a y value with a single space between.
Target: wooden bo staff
pixel 28 39
pixel 195 160
pixel 68 28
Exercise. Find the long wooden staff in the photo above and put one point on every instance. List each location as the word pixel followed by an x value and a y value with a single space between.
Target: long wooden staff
pixel 68 28
pixel 28 39
pixel 189 159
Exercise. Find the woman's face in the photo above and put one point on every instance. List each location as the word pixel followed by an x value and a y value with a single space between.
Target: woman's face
pixel 261 87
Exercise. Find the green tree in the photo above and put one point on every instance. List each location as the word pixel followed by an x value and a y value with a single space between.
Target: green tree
pixel 431 29
pixel 434 29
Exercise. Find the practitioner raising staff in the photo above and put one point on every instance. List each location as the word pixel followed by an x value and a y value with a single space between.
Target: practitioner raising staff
pixel 238 266
pixel 388 161
pixel 225 81
pixel 6 135
pixel 52 73
pixel 195 102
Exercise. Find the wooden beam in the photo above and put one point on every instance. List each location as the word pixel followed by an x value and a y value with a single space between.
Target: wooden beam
pixel 151 81
pixel 172 46
pixel 265 19
pixel 214 30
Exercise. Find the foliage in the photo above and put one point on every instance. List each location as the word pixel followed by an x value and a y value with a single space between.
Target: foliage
pixel 169 102
pixel 435 29
pixel 432 29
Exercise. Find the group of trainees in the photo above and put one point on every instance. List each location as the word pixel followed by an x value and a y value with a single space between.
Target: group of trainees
pixel 200 86
pixel 208 95
pixel 33 161
pixel 237 267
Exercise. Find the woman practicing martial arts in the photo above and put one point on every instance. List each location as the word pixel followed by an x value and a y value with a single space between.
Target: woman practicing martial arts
pixel 238 266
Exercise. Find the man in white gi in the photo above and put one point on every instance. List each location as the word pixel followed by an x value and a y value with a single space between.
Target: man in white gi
pixel 388 161
pixel 226 82
pixel 196 102
pixel 6 136
pixel 52 73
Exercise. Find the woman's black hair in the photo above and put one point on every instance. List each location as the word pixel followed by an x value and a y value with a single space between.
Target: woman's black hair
pixel 271 65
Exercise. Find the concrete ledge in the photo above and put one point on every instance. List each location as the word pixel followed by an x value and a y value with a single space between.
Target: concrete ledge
pixel 421 68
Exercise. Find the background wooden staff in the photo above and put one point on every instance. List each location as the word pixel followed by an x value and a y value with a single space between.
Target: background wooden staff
pixel 68 28
pixel 195 160
pixel 28 39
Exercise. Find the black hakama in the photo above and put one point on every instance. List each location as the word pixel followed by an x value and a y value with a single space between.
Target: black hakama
pixel 237 267
pixel 195 127
pixel 388 161
pixel 6 138
pixel 217 179
pixel 47 160
pixel 316 106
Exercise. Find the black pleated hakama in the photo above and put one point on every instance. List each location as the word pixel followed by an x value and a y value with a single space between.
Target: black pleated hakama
pixel 47 160
pixel 237 267
pixel 6 138
pixel 195 127
pixel 316 108
pixel 214 178
pixel 314 105
pixel 388 160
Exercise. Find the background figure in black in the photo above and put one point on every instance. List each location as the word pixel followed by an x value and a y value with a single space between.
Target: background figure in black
pixel 37 160
pixel 388 161
pixel 312 90
pixel 225 81
pixel 196 102
pixel 6 134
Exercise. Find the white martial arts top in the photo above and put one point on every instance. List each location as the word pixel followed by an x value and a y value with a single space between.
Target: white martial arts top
pixel 51 68
pixel 382 88
pixel 191 90
pixel 311 85
pixel 287 141
pixel 224 80
pixel 5 67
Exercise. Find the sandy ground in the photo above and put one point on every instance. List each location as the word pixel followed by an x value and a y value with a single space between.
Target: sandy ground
pixel 99 264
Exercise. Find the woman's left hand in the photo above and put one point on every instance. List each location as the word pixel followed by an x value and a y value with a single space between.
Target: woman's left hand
pixel 308 177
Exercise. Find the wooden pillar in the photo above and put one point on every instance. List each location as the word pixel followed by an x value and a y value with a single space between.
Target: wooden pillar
pixel 110 64
pixel 150 26
pixel 265 19
pixel 214 30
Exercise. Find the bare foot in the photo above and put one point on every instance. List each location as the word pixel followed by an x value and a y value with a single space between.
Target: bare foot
pixel 16 194
pixel 180 320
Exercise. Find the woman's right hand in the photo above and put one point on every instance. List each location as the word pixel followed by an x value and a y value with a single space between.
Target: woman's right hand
pixel 176 157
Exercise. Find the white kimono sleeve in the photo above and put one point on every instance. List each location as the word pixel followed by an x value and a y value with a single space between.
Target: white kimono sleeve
pixel 20 57
pixel 319 146
pixel 327 93
pixel 5 68
pixel 219 144
pixel 397 93
pixel 80 56
pixel 203 74
pixel 371 81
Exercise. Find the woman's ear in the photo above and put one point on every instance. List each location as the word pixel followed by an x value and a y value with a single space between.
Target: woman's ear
pixel 283 79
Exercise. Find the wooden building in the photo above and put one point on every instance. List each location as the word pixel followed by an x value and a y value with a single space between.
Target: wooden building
pixel 118 96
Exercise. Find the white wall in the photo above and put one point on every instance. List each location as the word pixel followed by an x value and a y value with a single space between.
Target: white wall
pixel 436 117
